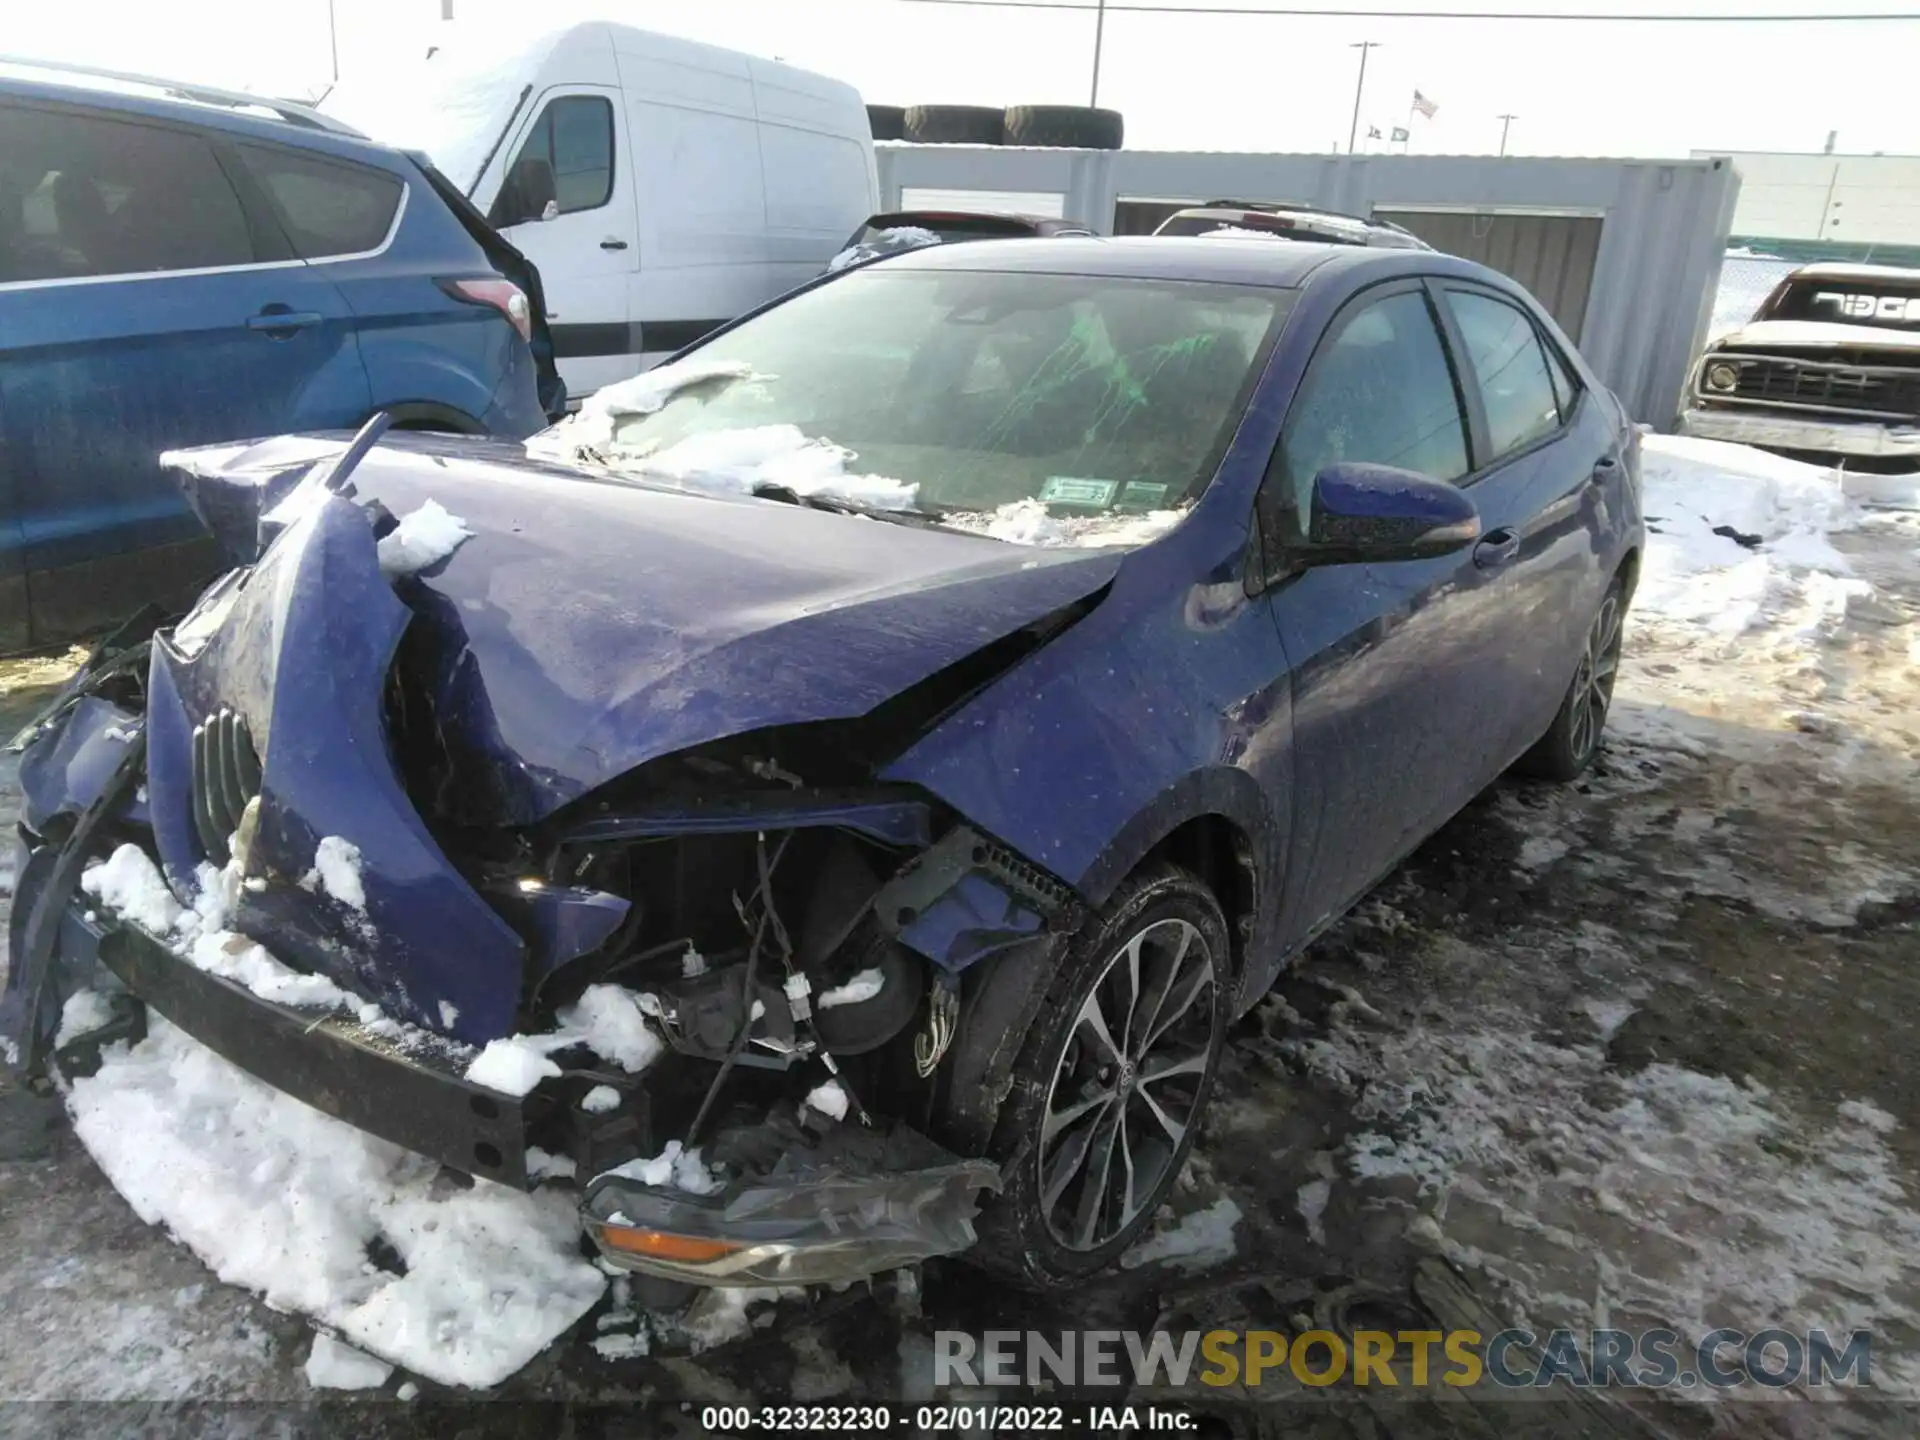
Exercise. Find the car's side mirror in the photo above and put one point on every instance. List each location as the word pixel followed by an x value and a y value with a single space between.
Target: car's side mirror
pixel 1364 513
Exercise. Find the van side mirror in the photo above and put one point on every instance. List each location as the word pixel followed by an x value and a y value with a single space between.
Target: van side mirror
pixel 1365 513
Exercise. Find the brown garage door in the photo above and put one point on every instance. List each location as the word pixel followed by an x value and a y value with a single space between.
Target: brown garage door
pixel 1552 255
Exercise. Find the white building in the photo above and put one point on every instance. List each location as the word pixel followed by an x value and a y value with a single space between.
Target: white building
pixel 1837 206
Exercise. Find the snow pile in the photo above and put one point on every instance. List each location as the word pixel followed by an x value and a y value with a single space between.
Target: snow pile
pixel 682 1169
pixel 1239 232
pixel 1738 540
pixel 829 1099
pixel 891 241
pixel 285 1201
pixel 582 437
pixel 336 872
pixel 334 1366
pixel 1203 1238
pixel 606 1019
pixel 1028 522
pixel 858 990
pixel 84 1012
pixel 600 1099
pixel 423 538
pixel 129 883
pixel 739 461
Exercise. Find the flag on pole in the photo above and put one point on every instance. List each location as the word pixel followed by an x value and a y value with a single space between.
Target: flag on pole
pixel 1425 106
pixel 1400 134
pixel 1373 132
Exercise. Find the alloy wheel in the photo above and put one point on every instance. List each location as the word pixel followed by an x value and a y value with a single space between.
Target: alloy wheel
pixel 1593 683
pixel 1128 1085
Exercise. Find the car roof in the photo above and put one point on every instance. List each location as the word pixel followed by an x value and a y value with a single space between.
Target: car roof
pixel 1278 264
pixel 137 96
pixel 1836 271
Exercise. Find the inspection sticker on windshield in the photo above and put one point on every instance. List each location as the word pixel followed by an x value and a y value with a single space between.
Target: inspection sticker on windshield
pixel 1070 490
pixel 1142 495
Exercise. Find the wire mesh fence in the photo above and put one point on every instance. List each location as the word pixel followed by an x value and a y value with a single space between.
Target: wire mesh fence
pixel 1744 283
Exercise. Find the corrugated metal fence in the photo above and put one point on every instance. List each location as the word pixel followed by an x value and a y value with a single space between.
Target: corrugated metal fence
pixel 1626 253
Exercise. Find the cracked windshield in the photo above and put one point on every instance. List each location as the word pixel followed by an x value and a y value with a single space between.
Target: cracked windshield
pixel 967 396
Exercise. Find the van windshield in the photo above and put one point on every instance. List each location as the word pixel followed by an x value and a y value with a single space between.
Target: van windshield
pixel 456 104
pixel 955 395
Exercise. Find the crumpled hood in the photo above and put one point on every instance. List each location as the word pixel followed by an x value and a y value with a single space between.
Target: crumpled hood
pixel 592 624
pixel 1818 335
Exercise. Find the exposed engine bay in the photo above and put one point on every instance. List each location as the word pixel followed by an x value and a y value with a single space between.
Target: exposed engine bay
pixel 803 940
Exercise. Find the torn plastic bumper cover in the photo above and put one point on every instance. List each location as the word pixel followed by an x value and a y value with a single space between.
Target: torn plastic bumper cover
pixel 804 1209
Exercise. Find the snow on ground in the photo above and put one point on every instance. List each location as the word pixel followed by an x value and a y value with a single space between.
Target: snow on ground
pixel 606 1019
pixel 280 1199
pixel 334 1366
pixel 1028 522
pixel 1195 1241
pixel 1739 540
pixel 423 538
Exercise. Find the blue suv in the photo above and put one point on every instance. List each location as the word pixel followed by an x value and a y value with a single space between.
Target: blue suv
pixel 180 265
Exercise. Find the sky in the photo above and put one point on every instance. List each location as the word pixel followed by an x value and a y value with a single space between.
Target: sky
pixel 1183 81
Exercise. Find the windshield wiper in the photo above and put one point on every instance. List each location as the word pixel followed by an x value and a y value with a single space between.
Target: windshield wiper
pixel 838 504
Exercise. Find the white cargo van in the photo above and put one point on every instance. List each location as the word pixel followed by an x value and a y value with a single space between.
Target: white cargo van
pixel 662 186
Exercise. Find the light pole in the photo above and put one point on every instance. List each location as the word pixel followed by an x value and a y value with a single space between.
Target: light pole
pixel 1363 46
pixel 1505 121
pixel 1099 33
pixel 333 42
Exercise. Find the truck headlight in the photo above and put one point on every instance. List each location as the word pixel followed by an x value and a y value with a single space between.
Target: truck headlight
pixel 1723 377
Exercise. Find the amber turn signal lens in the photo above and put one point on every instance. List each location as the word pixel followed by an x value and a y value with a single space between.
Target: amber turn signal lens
pixel 691 1249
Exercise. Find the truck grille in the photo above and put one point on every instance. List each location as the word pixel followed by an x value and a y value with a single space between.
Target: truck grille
pixel 1816 386
pixel 226 776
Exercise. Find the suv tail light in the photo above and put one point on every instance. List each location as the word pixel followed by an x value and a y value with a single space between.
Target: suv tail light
pixel 503 295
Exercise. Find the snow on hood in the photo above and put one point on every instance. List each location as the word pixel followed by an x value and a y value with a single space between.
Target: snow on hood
pixel 1029 522
pixel 1776 570
pixel 282 1200
pixel 730 462
pixel 892 241
pixel 1816 334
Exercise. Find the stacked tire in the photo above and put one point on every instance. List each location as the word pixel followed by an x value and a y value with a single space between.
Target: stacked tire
pixel 1075 127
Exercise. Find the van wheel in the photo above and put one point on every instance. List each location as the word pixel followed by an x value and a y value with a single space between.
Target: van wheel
pixel 1110 1085
pixel 887 122
pixel 954 124
pixel 1080 127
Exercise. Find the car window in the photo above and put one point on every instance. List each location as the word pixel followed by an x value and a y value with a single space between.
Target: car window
pixel 1090 394
pixel 1379 391
pixel 1566 391
pixel 82 196
pixel 574 138
pixel 326 207
pixel 1515 386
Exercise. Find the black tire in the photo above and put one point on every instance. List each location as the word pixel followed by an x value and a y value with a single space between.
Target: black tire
pixel 1078 127
pixel 887 122
pixel 1048 1242
pixel 954 124
pixel 1573 739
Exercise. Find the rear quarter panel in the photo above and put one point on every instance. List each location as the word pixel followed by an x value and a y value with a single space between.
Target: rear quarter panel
pixel 421 346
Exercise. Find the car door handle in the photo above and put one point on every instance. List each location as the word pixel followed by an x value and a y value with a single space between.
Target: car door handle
pixel 1605 466
pixel 1496 548
pixel 271 320
pixel 612 244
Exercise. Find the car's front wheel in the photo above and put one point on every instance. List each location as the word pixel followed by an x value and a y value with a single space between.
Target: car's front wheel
pixel 1571 742
pixel 1111 1082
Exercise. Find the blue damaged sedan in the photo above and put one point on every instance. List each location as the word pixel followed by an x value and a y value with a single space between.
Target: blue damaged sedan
pixel 841 786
